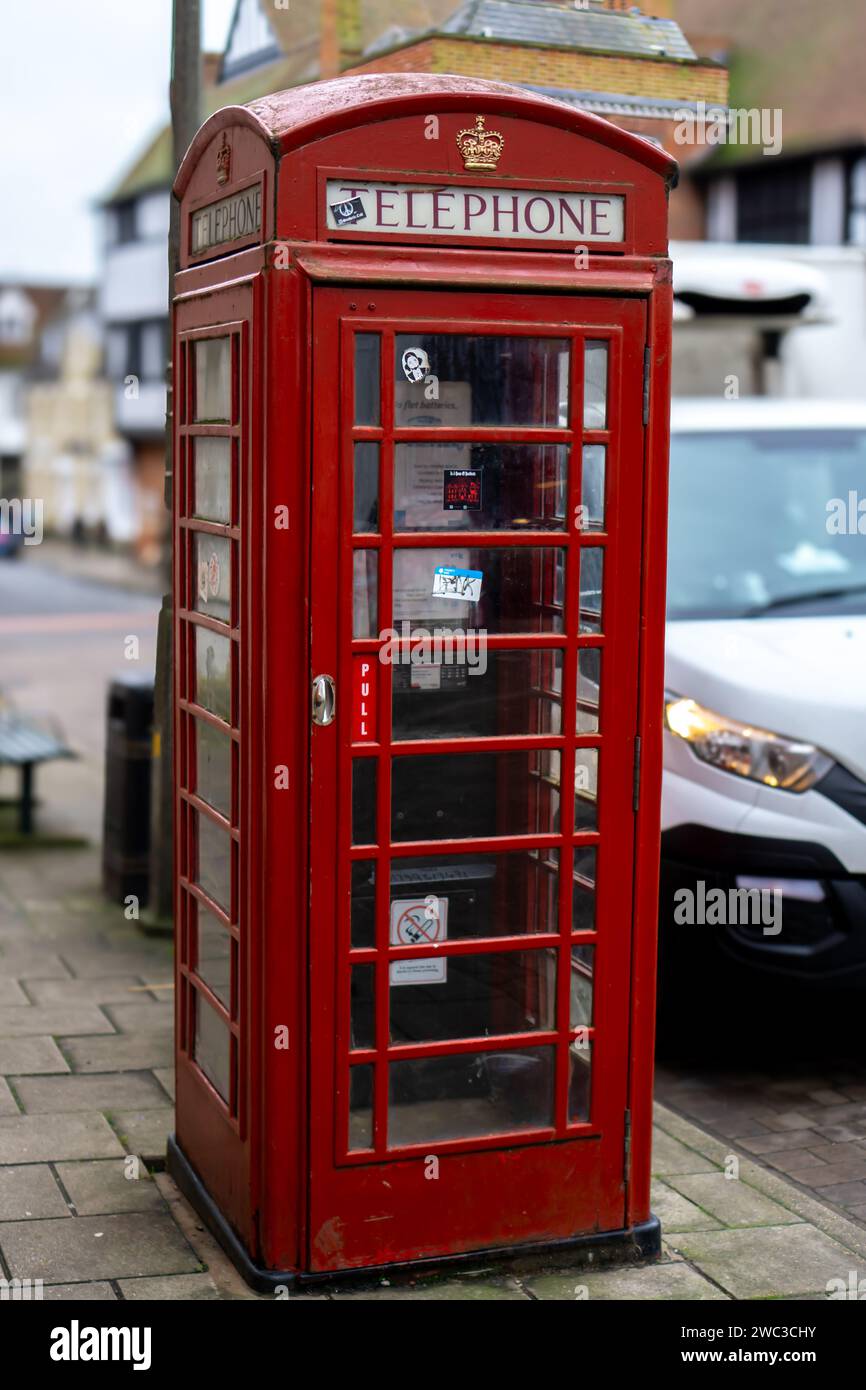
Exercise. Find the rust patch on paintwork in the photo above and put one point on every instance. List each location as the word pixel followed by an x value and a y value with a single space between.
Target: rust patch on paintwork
pixel 329 1240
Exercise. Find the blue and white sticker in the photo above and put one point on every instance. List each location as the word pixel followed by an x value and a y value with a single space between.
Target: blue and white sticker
pixel 462 585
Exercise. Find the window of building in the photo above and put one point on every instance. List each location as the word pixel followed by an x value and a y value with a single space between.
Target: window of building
pixel 856 212
pixel 773 204
pixel 124 222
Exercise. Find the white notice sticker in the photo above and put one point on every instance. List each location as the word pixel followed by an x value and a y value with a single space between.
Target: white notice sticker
pixel 417 922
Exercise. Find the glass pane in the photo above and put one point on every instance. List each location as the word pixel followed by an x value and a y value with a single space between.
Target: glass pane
pixel 361 1107
pixel 214 861
pixel 580 1076
pixel 213 479
pixel 586 789
pixel 588 689
pixel 365 599
pixel 364 801
pixel 591 580
pixel 455 688
pixel 592 486
pixel 435 999
pixel 367 349
pixel 213 381
pixel 363 1006
pixel 581 986
pixel 213 672
pixel 213 959
pixel 467 795
pixel 212 1047
pixel 479 895
pixel 595 385
pixel 213 761
pixel 363 903
pixel 583 896
pixel 366 487
pixel 495 590
pixel 480 487
pixel 213 575
pixel 468 379
pixel 470 1094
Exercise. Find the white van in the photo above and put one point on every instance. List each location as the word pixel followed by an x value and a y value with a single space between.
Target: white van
pixel 765 710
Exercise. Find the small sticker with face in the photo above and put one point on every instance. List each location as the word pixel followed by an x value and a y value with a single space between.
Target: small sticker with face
pixel 416 364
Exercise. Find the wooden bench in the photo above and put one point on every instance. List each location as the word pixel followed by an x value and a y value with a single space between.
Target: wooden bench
pixel 23 744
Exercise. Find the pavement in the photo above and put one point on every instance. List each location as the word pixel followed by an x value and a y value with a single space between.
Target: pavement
pixel 86 1105
pixel 758 1185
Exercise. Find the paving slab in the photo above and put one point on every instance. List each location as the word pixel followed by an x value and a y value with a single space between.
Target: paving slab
pixel 482 1290
pixel 26 958
pixel 56 1020
pixel 190 1288
pixel 104 989
pixel 31 1057
pixel 845 1193
pixel 120 1052
pixel 46 1138
pixel 167 1079
pixel 676 1212
pixel 777 1143
pixel 8 1105
pixel 672 1156
pixel 653 1282
pixel 78 1293
pixel 11 991
pixel 96 1247
pixel 143 1017
pixel 43 1095
pixel 144 1132
pixel 88 964
pixel 98 1186
pixel 30 1193
pixel 766 1262
pixel 732 1201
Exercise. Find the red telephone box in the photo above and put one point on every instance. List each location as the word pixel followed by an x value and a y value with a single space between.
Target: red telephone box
pixel 421 345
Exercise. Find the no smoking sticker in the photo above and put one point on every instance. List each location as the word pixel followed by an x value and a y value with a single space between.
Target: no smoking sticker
pixel 417 922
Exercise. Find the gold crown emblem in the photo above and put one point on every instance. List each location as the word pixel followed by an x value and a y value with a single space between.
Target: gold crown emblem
pixel 480 148
pixel 224 161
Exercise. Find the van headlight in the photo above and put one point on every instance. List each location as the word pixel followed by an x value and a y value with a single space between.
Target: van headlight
pixel 758 754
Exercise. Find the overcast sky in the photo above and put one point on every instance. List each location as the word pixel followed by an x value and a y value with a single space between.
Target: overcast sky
pixel 83 85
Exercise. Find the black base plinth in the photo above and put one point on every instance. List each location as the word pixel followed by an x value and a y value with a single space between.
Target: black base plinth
pixel 596 1250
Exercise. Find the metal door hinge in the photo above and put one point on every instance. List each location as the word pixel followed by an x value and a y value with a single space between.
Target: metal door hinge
pixel 646 385
pixel 627 1147
pixel 636 775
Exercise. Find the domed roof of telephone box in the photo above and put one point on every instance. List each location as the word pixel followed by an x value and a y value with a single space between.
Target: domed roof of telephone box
pixel 287 120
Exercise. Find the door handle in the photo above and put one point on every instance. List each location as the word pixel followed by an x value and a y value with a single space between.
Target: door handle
pixel 324 700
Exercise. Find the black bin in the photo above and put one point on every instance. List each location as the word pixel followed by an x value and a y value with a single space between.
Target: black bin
pixel 126 820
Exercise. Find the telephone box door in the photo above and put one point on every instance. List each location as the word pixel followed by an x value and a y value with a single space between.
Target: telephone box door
pixel 475 610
